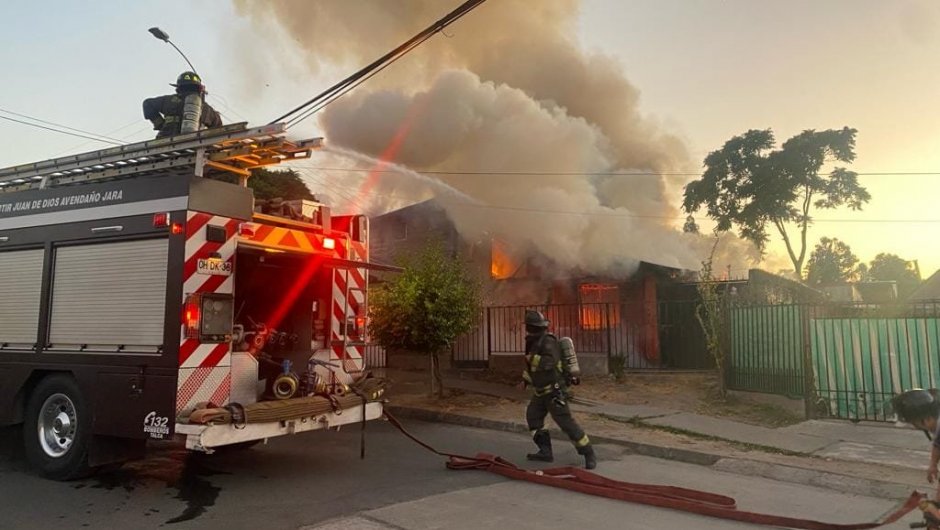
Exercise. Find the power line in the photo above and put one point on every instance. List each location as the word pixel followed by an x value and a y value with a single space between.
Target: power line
pixel 114 131
pixel 57 130
pixel 222 101
pixel 463 204
pixel 336 91
pixel 318 107
pixel 585 173
pixel 669 217
pixel 82 133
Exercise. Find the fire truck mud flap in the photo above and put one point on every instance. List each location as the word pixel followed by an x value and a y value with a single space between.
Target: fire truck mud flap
pixel 206 438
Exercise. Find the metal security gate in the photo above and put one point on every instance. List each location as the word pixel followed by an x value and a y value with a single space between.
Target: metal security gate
pixel 767 349
pixel 860 355
pixel 681 338
pixel 470 350
pixel 661 336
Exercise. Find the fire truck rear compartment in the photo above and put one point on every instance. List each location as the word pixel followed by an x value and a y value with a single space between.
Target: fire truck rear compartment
pixel 277 297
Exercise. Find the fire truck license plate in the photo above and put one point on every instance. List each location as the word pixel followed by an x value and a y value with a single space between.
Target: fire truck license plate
pixel 214 267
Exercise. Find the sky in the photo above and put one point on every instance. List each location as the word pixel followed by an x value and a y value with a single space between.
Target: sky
pixel 706 71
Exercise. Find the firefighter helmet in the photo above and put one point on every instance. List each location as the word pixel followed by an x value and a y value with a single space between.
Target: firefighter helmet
pixel 189 80
pixel 535 319
pixel 915 405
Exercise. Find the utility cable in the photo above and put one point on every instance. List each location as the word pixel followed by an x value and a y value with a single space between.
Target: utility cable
pixel 464 204
pixel 61 131
pixel 590 173
pixel 316 103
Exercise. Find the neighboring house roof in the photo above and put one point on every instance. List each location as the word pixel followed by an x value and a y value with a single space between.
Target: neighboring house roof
pixel 929 289
pixel 801 292
pixel 878 292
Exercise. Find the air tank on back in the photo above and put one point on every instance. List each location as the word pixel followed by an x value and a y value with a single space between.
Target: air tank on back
pixel 192 112
pixel 569 358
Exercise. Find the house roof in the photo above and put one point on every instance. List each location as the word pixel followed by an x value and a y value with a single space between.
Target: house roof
pixel 801 291
pixel 417 208
pixel 929 289
pixel 432 207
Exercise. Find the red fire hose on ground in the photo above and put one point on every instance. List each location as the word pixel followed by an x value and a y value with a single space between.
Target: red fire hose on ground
pixel 683 499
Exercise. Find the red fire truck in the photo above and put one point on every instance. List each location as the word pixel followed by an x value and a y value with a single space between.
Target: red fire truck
pixel 144 297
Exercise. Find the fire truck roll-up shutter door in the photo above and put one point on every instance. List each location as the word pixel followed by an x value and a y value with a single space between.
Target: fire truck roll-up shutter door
pixel 20 297
pixel 109 297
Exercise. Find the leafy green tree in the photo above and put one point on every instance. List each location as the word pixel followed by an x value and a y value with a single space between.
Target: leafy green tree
pixel 831 262
pixel 752 186
pixel 270 184
pixel 690 226
pixel 426 307
pixel 710 315
pixel 891 267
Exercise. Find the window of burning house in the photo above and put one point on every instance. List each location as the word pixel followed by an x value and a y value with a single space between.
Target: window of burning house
pixel 600 305
pixel 503 263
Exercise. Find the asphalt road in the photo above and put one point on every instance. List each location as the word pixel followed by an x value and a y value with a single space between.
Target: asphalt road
pixel 317 480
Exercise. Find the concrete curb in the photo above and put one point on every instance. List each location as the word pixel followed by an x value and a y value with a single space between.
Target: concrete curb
pixel 800 475
pixel 740 466
pixel 656 451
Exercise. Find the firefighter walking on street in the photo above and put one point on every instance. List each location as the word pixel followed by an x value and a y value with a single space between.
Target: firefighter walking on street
pixel 183 112
pixel 549 373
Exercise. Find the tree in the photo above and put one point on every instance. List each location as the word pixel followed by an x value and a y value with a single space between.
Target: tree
pixel 267 184
pixel 690 226
pixel 831 262
pixel 749 185
pixel 890 267
pixel 426 307
pixel 709 313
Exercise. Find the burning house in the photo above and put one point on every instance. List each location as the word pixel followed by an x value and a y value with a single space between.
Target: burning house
pixel 638 315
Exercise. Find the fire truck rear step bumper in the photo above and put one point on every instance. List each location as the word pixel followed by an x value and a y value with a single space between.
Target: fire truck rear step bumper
pixel 205 438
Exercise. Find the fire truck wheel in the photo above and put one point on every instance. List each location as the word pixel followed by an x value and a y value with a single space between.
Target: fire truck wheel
pixel 56 430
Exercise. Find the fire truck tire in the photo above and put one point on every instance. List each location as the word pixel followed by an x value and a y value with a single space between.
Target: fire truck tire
pixel 57 429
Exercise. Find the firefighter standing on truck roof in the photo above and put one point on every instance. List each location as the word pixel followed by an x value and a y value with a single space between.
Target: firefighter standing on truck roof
pixel 548 373
pixel 169 114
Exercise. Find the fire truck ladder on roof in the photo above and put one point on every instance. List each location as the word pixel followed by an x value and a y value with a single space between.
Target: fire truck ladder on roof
pixel 232 148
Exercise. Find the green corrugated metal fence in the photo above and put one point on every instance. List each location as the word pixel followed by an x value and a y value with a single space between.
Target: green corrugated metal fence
pixel 861 362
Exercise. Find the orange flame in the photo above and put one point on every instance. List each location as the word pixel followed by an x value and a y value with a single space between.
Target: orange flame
pixel 502 265
pixel 600 305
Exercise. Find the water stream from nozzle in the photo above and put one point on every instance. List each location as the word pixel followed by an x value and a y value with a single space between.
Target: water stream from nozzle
pixel 442 191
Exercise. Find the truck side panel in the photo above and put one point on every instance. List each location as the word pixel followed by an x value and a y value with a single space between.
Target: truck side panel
pixel 61 341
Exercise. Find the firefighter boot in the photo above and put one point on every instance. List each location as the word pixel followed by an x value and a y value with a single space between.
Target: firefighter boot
pixel 590 459
pixel 544 442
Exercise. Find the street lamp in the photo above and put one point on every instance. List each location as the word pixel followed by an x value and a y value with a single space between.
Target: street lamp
pixel 162 35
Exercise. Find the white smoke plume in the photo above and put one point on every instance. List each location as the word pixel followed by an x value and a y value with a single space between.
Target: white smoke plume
pixel 508 89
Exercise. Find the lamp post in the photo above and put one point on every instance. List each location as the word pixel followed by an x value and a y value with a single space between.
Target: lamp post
pixel 162 35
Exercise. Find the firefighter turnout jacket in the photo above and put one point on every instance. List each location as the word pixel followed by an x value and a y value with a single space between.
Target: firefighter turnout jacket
pixel 545 371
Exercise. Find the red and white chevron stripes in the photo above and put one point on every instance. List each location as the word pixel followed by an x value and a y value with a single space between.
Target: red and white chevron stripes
pixel 205 368
pixel 349 302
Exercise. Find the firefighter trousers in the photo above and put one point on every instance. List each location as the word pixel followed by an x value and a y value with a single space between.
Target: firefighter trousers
pixel 541 406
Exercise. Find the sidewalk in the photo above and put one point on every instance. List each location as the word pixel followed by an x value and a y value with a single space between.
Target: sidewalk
pixel 865 458
pixel 871 442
